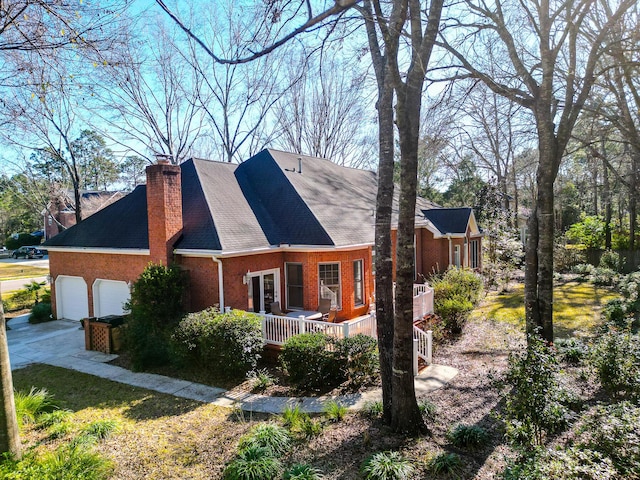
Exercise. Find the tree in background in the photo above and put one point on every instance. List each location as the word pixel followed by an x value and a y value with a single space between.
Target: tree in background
pixel 323 114
pixel 552 52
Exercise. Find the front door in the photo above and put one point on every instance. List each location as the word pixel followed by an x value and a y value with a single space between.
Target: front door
pixel 264 289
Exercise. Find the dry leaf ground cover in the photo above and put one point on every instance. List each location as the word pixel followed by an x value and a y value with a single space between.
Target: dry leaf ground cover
pixel 164 437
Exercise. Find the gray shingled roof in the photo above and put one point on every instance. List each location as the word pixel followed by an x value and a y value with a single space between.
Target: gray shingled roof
pixel 265 201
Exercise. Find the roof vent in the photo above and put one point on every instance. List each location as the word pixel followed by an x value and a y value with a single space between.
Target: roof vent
pixel 299 164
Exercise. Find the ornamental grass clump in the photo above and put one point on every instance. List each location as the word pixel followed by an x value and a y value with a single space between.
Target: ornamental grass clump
pixel 386 466
pixel 303 471
pixel 253 463
pixel 468 436
pixel 273 438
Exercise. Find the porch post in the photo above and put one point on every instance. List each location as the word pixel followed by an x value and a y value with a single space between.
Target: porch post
pixel 429 347
pixel 345 329
pixel 301 319
pixel 415 357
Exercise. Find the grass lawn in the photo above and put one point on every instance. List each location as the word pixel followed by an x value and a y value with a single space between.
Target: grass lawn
pixel 159 436
pixel 12 271
pixel 576 309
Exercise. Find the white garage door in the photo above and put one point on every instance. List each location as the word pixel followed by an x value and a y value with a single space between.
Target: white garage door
pixel 109 297
pixel 72 298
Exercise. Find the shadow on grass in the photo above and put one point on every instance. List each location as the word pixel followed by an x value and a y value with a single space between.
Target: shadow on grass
pixel 77 391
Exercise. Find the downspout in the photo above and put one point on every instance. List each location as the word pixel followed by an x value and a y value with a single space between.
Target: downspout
pixel 220 282
pixel 450 252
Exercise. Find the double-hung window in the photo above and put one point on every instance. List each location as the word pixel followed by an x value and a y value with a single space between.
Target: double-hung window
pixel 329 283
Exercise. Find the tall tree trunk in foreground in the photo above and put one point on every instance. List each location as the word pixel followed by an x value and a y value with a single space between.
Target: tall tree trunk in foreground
pixel 9 435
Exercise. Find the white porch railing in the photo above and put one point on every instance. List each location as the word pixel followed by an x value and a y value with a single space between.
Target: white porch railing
pixel 276 330
pixel 424 343
pixel 422 300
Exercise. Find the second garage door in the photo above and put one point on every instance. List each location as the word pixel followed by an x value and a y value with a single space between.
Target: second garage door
pixel 109 297
pixel 72 298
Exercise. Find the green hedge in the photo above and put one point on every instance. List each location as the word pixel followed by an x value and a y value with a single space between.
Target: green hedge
pixel 312 362
pixel 455 294
pixel 228 342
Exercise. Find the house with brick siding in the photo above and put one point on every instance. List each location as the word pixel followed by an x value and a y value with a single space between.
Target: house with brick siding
pixel 279 227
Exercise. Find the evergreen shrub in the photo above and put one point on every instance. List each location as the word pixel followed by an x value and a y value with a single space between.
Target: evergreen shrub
pixel 156 307
pixel 229 342
pixel 312 362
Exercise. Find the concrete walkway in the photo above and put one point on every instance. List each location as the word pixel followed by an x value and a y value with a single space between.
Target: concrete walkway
pixel 61 343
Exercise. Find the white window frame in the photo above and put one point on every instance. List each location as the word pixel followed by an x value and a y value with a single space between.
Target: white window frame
pixel 355 282
pixel 338 300
pixel 286 285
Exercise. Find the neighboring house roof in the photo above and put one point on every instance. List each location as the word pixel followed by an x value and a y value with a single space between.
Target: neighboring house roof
pixel 265 201
pixel 451 221
pixel 123 224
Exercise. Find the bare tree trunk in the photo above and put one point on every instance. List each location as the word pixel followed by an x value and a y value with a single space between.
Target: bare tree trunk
pixel 384 262
pixel 9 434
pixel 606 193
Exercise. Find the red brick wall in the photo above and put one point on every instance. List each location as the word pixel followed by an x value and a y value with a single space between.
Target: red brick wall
pixel 202 273
pixel 92 266
pixel 164 209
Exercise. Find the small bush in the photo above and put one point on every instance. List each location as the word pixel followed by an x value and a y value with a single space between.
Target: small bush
pixel 292 416
pixel 253 463
pixel 386 466
pixel 309 428
pixel 334 411
pixel 533 406
pixel 616 358
pixel 273 438
pixel 584 269
pixel 571 350
pixel 261 380
pixel 100 429
pixel 611 260
pixel 615 312
pixel 455 311
pixel 455 295
pixel 311 361
pixel 46 420
pixel 373 409
pixel 468 436
pixel 360 356
pixel 302 471
pixel 41 312
pixel 428 409
pixel 604 276
pixel 228 342
pixel 445 464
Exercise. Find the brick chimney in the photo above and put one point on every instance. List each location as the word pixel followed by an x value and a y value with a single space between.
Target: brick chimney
pixel 164 210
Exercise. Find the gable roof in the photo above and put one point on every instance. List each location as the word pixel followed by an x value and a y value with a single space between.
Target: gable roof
pixel 274 198
pixel 450 220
